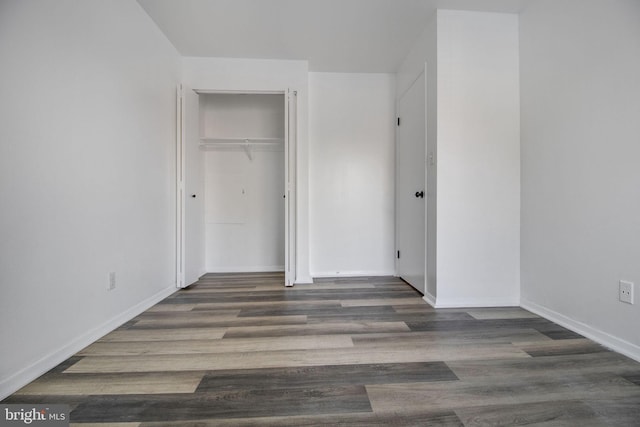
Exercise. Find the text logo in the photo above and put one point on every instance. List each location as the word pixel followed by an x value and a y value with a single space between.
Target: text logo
pixel 34 415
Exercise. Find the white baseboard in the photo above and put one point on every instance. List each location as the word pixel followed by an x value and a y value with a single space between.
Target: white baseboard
pixel 23 377
pixel 304 280
pixel 601 337
pixel 357 273
pixel 475 302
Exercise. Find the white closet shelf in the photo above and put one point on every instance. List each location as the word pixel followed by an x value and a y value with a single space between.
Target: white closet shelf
pixel 206 140
pixel 248 145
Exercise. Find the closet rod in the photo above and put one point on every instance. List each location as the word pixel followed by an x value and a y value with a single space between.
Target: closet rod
pixel 238 92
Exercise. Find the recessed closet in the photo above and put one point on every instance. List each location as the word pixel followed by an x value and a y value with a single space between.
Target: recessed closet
pixel 242 140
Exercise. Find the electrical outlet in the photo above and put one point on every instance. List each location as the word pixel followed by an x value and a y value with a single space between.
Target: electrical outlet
pixel 626 292
pixel 112 281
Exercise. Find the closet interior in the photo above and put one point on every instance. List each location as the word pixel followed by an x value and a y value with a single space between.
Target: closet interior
pixel 242 141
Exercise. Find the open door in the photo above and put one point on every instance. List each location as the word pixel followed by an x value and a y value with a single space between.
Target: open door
pixel 411 186
pixel 290 109
pixel 189 191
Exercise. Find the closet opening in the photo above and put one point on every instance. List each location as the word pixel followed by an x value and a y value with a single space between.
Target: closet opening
pixel 247 154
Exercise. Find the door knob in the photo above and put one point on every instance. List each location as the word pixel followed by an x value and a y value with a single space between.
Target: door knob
pixel 420 194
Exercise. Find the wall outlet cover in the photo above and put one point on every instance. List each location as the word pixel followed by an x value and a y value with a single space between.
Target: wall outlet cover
pixel 625 291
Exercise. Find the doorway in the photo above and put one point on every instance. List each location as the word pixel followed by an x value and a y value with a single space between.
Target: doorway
pixel 236 184
pixel 242 141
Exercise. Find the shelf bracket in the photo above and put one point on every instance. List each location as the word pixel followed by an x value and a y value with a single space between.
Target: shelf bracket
pixel 247 149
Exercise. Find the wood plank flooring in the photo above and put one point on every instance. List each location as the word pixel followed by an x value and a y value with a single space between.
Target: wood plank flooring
pixel 242 350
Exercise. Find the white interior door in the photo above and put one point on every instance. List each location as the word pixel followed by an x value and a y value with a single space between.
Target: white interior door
pixel 193 191
pixel 290 101
pixel 189 253
pixel 189 206
pixel 411 186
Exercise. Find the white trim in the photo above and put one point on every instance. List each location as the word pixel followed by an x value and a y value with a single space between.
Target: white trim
pixel 356 273
pixel 180 202
pixel 476 302
pixel 425 164
pixel 396 239
pixel 25 376
pixel 304 280
pixel 290 186
pixel 614 343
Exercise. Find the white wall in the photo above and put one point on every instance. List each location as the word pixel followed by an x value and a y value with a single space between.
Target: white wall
pixel 351 137
pixel 423 53
pixel 242 116
pixel 580 62
pixel 265 75
pixel 478 205
pixel 87 167
pixel 244 210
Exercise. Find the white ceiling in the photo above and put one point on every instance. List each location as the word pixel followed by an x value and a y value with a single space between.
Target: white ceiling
pixel 333 35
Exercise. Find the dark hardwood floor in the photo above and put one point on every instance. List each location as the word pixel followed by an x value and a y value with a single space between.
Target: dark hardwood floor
pixel 242 350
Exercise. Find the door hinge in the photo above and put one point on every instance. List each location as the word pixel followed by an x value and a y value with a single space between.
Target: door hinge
pixel 398 255
pixel 398 121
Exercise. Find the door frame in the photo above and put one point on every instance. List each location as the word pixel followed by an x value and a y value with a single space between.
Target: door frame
pixel 290 145
pixel 290 149
pixel 422 74
pixel 180 177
